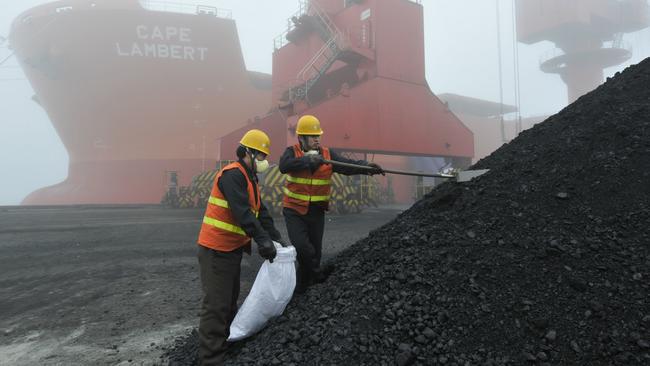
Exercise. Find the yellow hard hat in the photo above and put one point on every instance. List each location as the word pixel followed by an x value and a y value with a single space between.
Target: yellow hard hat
pixel 258 140
pixel 308 125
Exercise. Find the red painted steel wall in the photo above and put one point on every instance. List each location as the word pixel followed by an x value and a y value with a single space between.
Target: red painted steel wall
pixel 399 36
pixel 393 112
pixel 273 124
pixel 392 117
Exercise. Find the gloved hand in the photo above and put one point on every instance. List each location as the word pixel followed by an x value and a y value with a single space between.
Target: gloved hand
pixel 266 249
pixel 315 159
pixel 282 242
pixel 377 169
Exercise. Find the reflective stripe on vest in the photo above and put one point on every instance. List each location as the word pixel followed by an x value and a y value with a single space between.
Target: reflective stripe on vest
pixel 218 201
pixel 219 228
pixel 223 225
pixel 313 182
pixel 304 187
pixel 223 203
pixel 304 197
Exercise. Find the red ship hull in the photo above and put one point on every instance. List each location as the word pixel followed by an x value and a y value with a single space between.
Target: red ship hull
pixel 133 93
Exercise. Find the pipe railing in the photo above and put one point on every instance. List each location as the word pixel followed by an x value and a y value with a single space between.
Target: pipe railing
pixel 172 7
pixel 616 44
pixel 306 73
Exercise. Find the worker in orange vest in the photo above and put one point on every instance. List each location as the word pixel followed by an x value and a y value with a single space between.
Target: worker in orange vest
pixel 306 197
pixel 234 215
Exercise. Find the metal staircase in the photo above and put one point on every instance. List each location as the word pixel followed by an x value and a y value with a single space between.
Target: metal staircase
pixel 323 59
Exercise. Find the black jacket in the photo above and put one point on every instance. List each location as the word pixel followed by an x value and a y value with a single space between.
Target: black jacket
pixel 234 188
pixel 289 163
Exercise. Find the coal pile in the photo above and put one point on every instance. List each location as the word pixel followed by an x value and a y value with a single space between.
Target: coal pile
pixel 544 260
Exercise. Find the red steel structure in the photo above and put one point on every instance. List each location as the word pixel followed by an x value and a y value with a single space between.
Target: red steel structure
pixel 359 67
pixel 587 33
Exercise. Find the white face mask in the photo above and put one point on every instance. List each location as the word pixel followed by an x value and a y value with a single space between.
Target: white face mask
pixel 261 165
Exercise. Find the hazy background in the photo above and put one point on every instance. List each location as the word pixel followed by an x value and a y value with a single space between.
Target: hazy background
pixel 461 58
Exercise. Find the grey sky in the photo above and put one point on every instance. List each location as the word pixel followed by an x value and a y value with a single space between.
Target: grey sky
pixel 461 57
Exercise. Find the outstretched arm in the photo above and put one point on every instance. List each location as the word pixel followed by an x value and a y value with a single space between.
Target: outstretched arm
pixel 351 171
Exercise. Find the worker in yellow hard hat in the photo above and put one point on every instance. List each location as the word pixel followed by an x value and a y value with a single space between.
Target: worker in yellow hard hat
pixel 306 196
pixel 234 215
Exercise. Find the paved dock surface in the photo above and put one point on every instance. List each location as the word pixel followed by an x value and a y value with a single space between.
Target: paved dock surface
pixel 109 285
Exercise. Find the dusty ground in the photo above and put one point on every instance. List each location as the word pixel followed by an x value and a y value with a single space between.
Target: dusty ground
pixel 112 285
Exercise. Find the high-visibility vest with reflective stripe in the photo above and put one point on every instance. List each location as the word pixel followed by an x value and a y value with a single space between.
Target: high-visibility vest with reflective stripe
pixel 303 187
pixel 219 230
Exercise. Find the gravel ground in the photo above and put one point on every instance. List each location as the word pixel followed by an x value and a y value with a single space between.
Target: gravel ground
pixel 100 285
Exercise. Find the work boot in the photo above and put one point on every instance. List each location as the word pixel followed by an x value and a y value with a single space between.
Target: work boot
pixel 303 281
pixel 328 268
pixel 300 289
pixel 320 274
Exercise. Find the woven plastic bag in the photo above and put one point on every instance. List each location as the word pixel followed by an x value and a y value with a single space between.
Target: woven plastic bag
pixel 270 294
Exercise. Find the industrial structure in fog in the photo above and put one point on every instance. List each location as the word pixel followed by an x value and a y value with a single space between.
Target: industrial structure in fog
pixel 359 67
pixel 141 91
pixel 588 35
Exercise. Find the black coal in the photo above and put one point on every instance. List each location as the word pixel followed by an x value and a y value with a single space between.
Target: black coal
pixel 544 260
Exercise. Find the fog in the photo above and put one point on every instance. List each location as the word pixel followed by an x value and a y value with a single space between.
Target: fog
pixel 461 58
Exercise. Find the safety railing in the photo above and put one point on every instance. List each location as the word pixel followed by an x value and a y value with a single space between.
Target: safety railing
pixel 616 44
pixel 323 59
pixel 281 40
pixel 320 60
pixel 63 9
pixel 325 19
pixel 620 44
pixel 282 92
pixel 172 7
pixel 305 7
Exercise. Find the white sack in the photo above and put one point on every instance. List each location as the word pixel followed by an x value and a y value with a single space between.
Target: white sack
pixel 270 294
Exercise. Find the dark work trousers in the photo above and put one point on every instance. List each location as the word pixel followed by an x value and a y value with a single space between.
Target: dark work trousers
pixel 306 235
pixel 220 272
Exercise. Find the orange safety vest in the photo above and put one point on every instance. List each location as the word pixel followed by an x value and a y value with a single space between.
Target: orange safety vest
pixel 303 187
pixel 220 230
